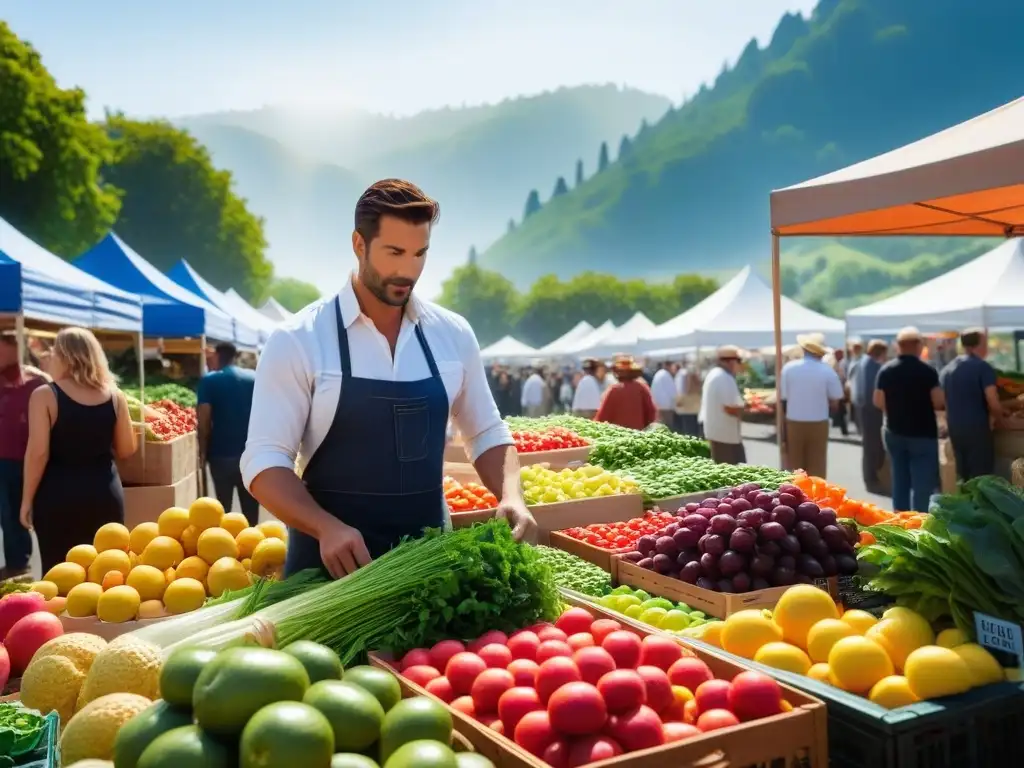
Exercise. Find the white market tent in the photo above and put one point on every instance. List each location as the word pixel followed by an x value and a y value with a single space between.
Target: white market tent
pixel 564 343
pixel 248 314
pixel 622 340
pixel 740 313
pixel 508 349
pixel 987 293
pixel 273 309
pixel 594 337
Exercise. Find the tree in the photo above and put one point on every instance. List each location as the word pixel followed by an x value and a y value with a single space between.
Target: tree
pixel 532 204
pixel 511 225
pixel 602 158
pixel 472 259
pixel 176 204
pixel 644 127
pixel 624 147
pixel 579 172
pixel 291 293
pixel 486 299
pixel 560 187
pixel 50 156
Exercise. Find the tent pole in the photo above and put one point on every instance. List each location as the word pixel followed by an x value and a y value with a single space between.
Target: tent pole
pixel 19 334
pixel 202 355
pixel 777 311
pixel 139 350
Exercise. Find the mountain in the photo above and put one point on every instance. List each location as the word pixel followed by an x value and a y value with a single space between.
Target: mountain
pixel 479 162
pixel 859 77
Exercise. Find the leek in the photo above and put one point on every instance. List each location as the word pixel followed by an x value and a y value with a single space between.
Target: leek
pixel 165 633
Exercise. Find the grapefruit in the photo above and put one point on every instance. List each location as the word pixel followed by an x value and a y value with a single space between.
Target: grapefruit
pixel 133 737
pixel 180 672
pixel 414 719
pixel 185 746
pixel 800 608
pixel 823 635
pixel 382 684
pixel 744 632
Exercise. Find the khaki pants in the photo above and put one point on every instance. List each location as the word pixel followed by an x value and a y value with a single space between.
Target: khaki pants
pixel 667 417
pixel 535 411
pixel 807 446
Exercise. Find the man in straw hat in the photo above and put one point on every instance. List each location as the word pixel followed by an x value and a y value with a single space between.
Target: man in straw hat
pixel 908 393
pixel 628 402
pixel 869 417
pixel 721 408
pixel 809 392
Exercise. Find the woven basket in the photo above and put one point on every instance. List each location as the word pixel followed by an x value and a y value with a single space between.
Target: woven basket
pixel 1017 473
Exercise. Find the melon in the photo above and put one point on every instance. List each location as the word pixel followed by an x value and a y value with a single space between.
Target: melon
pixel 16 606
pixel 28 635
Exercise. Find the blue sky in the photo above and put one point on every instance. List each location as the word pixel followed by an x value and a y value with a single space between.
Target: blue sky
pixel 178 57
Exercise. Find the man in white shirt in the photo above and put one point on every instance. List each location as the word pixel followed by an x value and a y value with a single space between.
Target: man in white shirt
pixel 809 392
pixel 688 395
pixel 361 386
pixel 587 398
pixel 721 408
pixel 532 398
pixel 663 390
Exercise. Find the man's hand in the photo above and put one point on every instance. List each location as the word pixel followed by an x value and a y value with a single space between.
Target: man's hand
pixel 26 516
pixel 342 549
pixel 524 527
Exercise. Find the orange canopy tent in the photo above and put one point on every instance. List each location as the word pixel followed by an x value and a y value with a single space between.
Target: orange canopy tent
pixel 967 180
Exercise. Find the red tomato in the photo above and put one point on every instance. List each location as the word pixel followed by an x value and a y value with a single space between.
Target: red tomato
pixel 601 628
pixel 593 663
pixel 679 731
pixel 487 638
pixel 488 688
pixel 553 674
pixel 577 709
pixel 415 657
pixel 659 651
pixel 714 694
pixel 551 648
pixel 495 655
pixel 713 719
pixel 441 688
pixel 590 749
pixel 659 688
pixel 639 728
pixel 689 672
pixel 443 651
pixel 623 689
pixel 557 754
pixel 524 671
pixel 534 732
pixel 753 695
pixel 574 620
pixel 524 644
pixel 580 640
pixel 464 704
pixel 552 633
pixel 624 647
pixel 462 670
pixel 515 703
pixel 421 674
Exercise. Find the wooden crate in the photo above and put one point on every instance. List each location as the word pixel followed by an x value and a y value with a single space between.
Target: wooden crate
pixel 560 459
pixel 796 738
pixel 144 503
pixel 462 472
pixel 717 604
pixel 161 463
pixel 599 557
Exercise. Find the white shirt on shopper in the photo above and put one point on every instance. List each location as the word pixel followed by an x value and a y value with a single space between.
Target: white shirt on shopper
pixel 533 391
pixel 807 387
pixel 720 390
pixel 588 394
pixel 681 376
pixel 663 390
pixel 298 378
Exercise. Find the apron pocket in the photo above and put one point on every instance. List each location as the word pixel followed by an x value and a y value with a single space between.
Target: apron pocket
pixel 412 428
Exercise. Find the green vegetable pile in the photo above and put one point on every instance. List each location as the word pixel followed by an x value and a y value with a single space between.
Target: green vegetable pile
pixel 21 730
pixel 595 431
pixel 575 573
pixel 664 478
pixel 968 556
pixel 641 447
pixel 176 393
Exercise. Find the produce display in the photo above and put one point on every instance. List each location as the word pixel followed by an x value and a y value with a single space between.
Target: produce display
pixel 665 478
pixel 760 401
pixel 468 497
pixel 26 623
pixel 1010 384
pixel 177 393
pixel 164 419
pixel 658 612
pixel 21 729
pixel 165 567
pixel 640 447
pixel 548 486
pixel 622 536
pixel 863 513
pixel 583 690
pixel 595 431
pixel 893 661
pixel 575 573
pixel 551 438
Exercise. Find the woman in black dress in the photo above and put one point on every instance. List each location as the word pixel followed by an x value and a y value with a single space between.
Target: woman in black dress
pixel 76 426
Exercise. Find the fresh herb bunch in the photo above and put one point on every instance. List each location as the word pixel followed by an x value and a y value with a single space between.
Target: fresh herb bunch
pixel 572 572
pixel 20 730
pixel 641 447
pixel 664 478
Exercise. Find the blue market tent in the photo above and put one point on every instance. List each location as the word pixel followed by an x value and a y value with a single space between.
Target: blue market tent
pixel 246 335
pixel 41 286
pixel 168 310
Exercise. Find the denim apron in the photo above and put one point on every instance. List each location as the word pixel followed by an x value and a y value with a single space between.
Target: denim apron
pixel 379 468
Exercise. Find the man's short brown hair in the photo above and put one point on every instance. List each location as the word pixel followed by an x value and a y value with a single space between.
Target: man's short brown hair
pixel 393 197
pixel 971 337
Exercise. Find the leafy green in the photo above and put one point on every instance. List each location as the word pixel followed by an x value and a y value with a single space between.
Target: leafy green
pixel 665 478
pixel 575 573
pixel 641 447
pixel 20 728
pixel 176 393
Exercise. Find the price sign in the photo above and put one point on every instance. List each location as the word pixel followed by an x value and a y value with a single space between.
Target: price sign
pixel 1003 637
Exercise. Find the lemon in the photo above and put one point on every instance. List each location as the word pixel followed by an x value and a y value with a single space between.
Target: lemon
pixel 800 608
pixel 192 568
pixel 227 574
pixel 172 522
pixel 785 656
pixel 141 535
pixel 118 604
pixel 899 634
pixel 820 672
pixel 712 634
pixel 184 595
pixel 674 620
pixel 247 539
pixel 861 621
pixel 951 638
pixel 984 668
pixel 215 543
pixel 857 663
pixel 190 540
pixel 892 692
pixel 205 513
pixel 148 581
pixel 151 609
pixel 824 635
pixel 47 589
pixel 273 529
pixel 83 554
pixel 934 672
pixel 234 523
pixel 163 552
pixel 744 632
pixel 653 616
pixel 111 536
pixel 109 560
pixel 82 599
pixel 634 611
pixel 65 576
pixel 268 557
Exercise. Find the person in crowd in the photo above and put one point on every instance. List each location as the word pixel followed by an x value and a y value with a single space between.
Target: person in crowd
pixel 517 392
pixel 839 416
pixel 76 427
pixel 534 394
pixel 224 406
pixel 628 402
pixel 504 394
pixel 17 383
pixel 565 393
pixel 688 398
pixel 587 398
pixel 809 391
pixel 869 417
pixel 721 408
pixel 663 390
pixel 855 359
pixel 972 406
pixel 907 391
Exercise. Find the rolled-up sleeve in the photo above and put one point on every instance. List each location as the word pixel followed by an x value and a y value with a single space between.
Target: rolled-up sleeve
pixel 474 412
pixel 280 407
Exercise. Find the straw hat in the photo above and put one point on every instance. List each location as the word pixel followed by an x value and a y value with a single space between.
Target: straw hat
pixel 812 343
pixel 626 365
pixel 729 352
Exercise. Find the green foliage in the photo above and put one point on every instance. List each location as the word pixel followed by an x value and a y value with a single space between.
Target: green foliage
pixel 486 299
pixel 50 156
pixel 532 204
pixel 292 294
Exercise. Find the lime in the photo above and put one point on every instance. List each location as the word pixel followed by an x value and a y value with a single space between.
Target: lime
pixel 186 746
pixel 180 672
pixel 241 681
pixel 352 760
pixel 137 734
pixel 623 589
pixel 470 760
pixel 422 753
pixel 353 712
pixel 321 662
pixel 658 602
pixel 641 595
pixel 285 734
pixel 674 620
pixel 379 682
pixel 683 607
pixel 634 611
pixel 652 616
pixel 414 719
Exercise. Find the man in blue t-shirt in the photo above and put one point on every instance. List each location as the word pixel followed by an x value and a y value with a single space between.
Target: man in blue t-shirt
pixel 225 400
pixel 972 404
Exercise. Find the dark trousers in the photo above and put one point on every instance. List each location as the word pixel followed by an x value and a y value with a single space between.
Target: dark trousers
pixel 17 541
pixel 974 451
pixel 688 424
pixel 915 470
pixel 728 453
pixel 227 478
pixel 839 418
pixel 873 458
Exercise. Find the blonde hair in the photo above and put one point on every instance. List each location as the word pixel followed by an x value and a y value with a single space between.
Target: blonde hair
pixel 83 358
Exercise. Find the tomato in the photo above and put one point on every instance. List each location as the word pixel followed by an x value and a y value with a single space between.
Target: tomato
pixel 549 649
pixel 496 656
pixel 524 645
pixel 441 688
pixel 575 620
pixel 488 688
pixel 659 651
pixel 421 674
pixel 590 749
pixel 659 690
pixel 714 719
pixel 553 674
pixel 623 690
pixel 534 732
pixel 417 656
pixel 577 709
pixel 515 703
pixel 714 694
pixel 636 729
pixel 462 669
pixel 624 647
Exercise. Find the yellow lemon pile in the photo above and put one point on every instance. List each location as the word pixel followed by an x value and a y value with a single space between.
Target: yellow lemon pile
pixel 165 567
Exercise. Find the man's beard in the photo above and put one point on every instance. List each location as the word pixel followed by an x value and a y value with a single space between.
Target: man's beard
pixel 378 286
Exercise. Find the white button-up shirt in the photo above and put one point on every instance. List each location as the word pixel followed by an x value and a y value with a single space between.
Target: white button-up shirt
pixel 588 394
pixel 807 386
pixel 298 379
pixel 533 391
pixel 720 390
pixel 663 390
